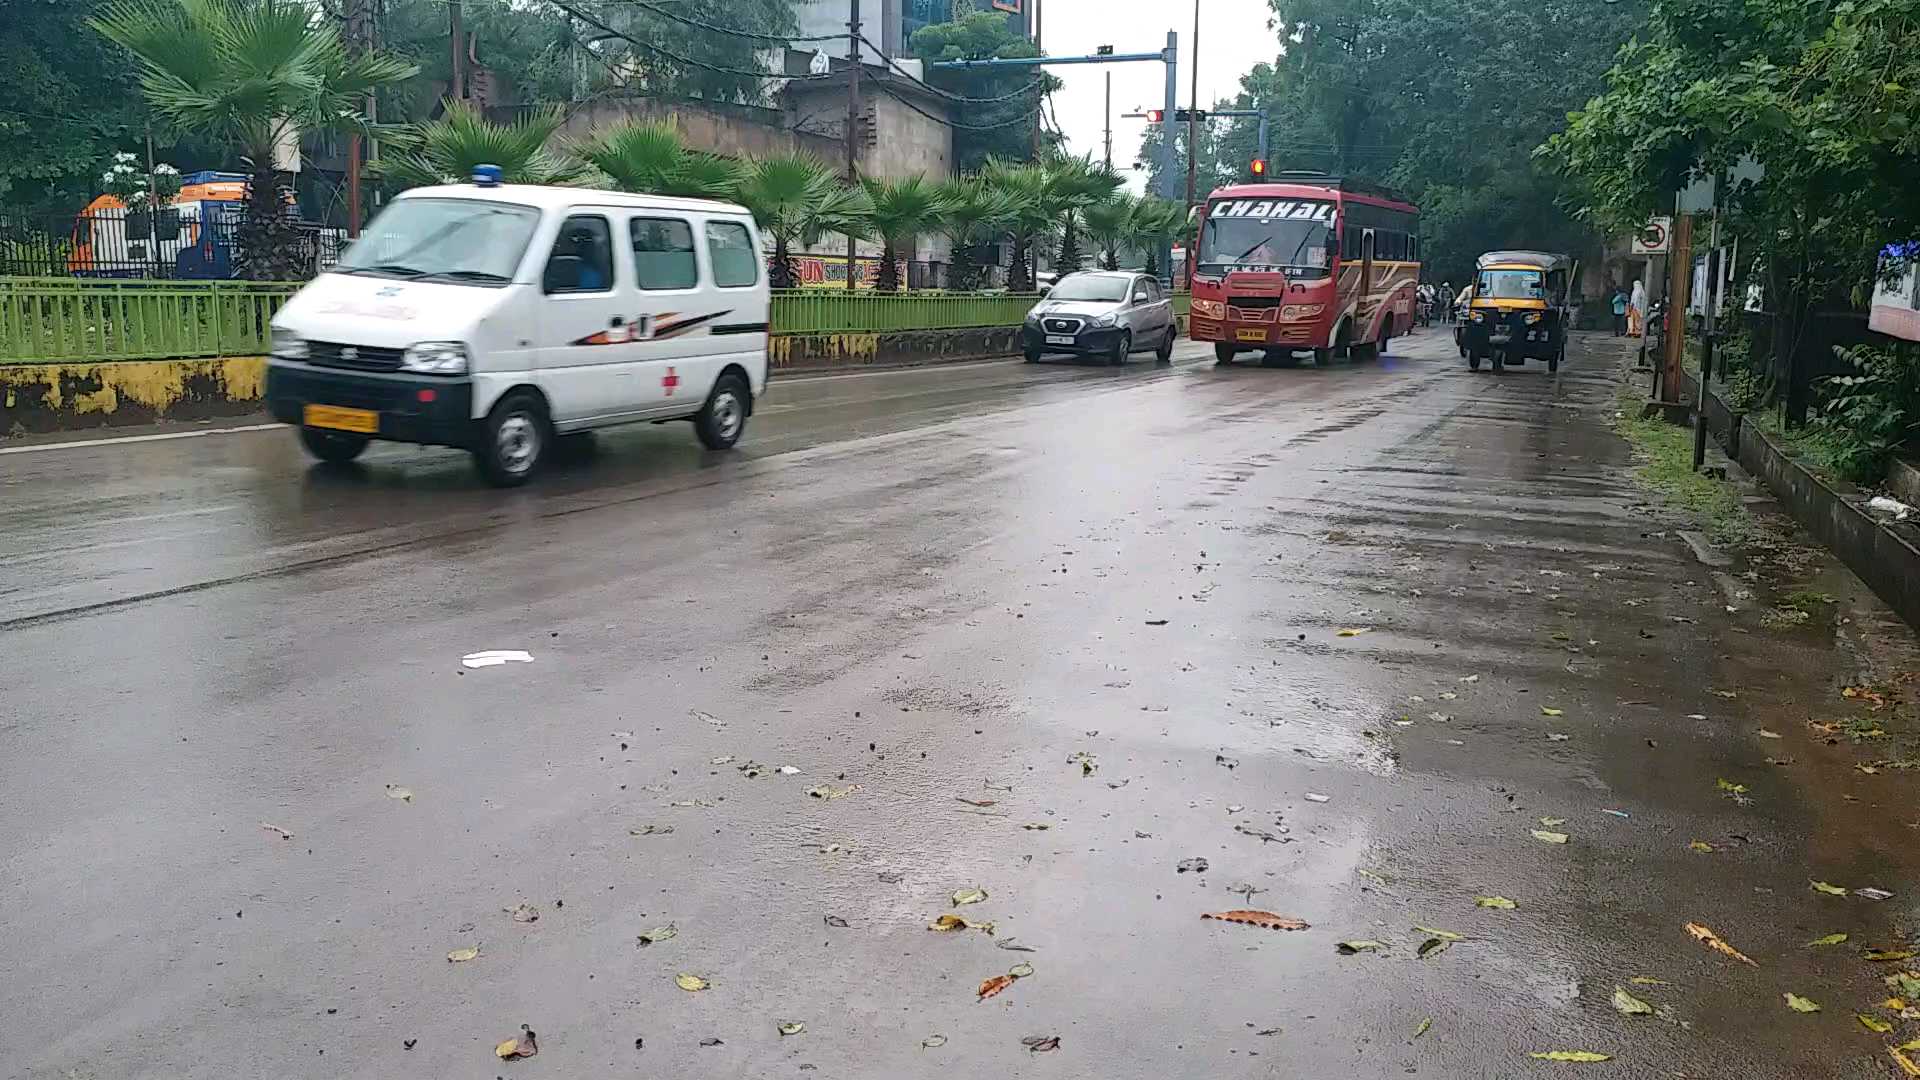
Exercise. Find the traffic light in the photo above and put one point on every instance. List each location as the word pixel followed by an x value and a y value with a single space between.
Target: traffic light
pixel 1258 167
pixel 1185 115
pixel 1154 116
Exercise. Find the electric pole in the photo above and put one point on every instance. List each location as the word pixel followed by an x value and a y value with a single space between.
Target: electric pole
pixel 1193 133
pixel 359 38
pixel 853 114
pixel 1108 115
pixel 1038 16
pixel 456 30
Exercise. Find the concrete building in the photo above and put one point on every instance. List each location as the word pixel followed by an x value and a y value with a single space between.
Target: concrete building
pixel 890 24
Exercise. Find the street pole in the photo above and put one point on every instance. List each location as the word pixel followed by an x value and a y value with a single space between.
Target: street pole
pixel 1168 158
pixel 1193 125
pixel 1706 345
pixel 359 37
pixel 456 31
pixel 1107 113
pixel 853 115
pixel 1038 16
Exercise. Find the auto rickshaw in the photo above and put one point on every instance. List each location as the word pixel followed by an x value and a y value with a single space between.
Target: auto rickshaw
pixel 1521 309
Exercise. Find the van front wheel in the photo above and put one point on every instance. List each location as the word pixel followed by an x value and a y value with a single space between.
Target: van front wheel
pixel 724 416
pixel 337 447
pixel 514 440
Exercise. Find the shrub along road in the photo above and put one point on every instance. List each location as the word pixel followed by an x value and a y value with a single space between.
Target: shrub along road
pixel 1397 651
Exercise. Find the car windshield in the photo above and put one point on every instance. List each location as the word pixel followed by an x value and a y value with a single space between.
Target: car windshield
pixel 470 241
pixel 1510 285
pixel 1293 236
pixel 1090 287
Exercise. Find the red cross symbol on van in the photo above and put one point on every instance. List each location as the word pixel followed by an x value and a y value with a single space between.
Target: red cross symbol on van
pixel 669 381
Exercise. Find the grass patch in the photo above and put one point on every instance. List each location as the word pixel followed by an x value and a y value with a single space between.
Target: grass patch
pixel 1666 466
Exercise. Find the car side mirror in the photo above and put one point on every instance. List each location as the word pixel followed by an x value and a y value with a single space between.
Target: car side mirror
pixel 562 274
pixel 1140 297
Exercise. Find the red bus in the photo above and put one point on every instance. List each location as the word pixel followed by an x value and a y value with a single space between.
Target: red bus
pixel 1308 262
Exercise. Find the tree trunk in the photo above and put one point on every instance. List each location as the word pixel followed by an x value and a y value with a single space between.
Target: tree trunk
pixel 1153 259
pixel 1019 279
pixel 780 274
pixel 888 280
pixel 1069 246
pixel 1111 261
pixel 962 271
pixel 267 240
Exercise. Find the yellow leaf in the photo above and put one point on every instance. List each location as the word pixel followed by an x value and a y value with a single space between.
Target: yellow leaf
pixel 1353 631
pixel 1730 787
pixel 1830 939
pixel 1873 1023
pixel 1894 1004
pixel 692 984
pixel 1444 935
pixel 1571 1055
pixel 1020 971
pixel 793 1027
pixel 1909 1046
pixel 1701 846
pixel 1500 902
pixel 1547 711
pixel 1830 890
pixel 1883 955
pixel 1713 941
pixel 508 1049
pixel 1907 1067
pixel 950 922
pixel 1550 837
pixel 1799 1004
pixel 968 896
pixel 461 956
pixel 1628 1005
pixel 1425 1026
pixel 1648 980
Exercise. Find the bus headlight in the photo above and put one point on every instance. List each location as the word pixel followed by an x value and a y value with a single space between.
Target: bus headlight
pixel 288 345
pixel 435 358
pixel 1209 309
pixel 1293 312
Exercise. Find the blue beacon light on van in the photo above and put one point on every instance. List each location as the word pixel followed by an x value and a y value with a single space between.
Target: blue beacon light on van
pixel 486 175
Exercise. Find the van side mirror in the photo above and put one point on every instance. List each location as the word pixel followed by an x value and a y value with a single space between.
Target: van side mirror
pixel 562 274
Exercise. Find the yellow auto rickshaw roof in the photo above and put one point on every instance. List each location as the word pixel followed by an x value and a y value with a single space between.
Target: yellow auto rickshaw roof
pixel 1512 266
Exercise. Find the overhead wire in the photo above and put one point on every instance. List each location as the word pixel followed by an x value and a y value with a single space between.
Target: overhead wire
pixel 957 126
pixel 930 88
pixel 668 53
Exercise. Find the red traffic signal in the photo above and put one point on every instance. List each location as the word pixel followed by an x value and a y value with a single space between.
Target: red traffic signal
pixel 1258 167
pixel 1154 116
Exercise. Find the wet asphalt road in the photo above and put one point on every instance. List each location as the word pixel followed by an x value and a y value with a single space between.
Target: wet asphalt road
pixel 925 591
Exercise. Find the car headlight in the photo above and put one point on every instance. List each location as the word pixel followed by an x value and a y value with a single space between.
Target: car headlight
pixel 435 358
pixel 288 345
pixel 1105 320
pixel 1033 317
pixel 1209 309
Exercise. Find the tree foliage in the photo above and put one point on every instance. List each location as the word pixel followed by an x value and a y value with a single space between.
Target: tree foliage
pixel 987 35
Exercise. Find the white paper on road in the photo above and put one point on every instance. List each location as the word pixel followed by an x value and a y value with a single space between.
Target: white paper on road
pixel 496 657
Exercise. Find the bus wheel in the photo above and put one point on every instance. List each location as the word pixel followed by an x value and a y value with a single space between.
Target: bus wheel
pixel 1223 353
pixel 1276 358
pixel 1323 358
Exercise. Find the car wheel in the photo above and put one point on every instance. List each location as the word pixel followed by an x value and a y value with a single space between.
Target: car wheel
pixel 1164 353
pixel 1121 348
pixel 513 440
pixel 1033 356
pixel 337 447
pixel 724 416
pixel 1224 354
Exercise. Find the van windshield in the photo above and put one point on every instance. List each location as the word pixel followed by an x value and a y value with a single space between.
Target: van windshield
pixel 468 241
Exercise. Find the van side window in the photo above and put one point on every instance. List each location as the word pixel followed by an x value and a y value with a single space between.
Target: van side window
pixel 582 259
pixel 736 263
pixel 663 253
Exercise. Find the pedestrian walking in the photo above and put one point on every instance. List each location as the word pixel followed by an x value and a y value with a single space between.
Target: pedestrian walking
pixel 1446 301
pixel 1637 310
pixel 1619 311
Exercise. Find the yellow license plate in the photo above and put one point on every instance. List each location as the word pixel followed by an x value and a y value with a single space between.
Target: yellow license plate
pixel 363 421
pixel 1250 335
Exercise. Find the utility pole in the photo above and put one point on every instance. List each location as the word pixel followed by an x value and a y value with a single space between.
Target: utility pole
pixel 1108 114
pixel 359 38
pixel 1038 15
pixel 456 31
pixel 1193 132
pixel 853 114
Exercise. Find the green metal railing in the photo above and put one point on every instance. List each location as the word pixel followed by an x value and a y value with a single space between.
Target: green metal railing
pixel 67 319
pixel 841 311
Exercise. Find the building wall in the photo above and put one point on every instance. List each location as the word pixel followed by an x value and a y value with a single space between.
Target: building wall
pixel 909 143
pixel 736 131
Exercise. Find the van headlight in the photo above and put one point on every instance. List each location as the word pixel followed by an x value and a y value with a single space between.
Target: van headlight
pixel 288 345
pixel 435 358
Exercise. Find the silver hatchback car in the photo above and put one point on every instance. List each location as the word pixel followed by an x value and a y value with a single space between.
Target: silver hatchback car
pixel 1104 313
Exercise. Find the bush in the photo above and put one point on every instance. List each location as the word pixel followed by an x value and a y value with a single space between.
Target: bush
pixel 1865 418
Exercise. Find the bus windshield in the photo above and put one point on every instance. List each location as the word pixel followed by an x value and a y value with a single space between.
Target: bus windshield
pixel 1511 285
pixel 1293 236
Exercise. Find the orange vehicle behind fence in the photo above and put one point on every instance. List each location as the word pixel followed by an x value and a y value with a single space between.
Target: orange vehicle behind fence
pixel 1307 263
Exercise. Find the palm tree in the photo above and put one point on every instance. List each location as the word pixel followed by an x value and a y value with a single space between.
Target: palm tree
pixel 652 157
pixel 1155 221
pixel 902 210
pixel 797 199
pixel 1110 225
pixel 1073 184
pixel 975 211
pixel 444 151
pixel 1030 212
pixel 255 74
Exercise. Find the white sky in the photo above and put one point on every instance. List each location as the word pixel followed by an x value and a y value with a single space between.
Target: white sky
pixel 1233 37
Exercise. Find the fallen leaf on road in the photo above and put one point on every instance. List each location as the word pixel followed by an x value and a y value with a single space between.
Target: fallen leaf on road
pixel 1799 1004
pixel 1648 980
pixel 396 792
pixel 1907 1067
pixel 1570 1055
pixel 1446 934
pixel 1353 631
pixel 1628 1005
pixel 1469 679
pixel 1701 846
pixel 1036 826
pixel 1551 822
pixel 1555 736
pixel 523 913
pixel 1830 939
pixel 277 831
pixel 657 935
pixel 522 1047
pixel 1872 893
pixel 1549 711
pixel 1316 797
pixel 792 1027
pixel 1448 695
pixel 1873 1023
pixel 788 770
pixel 994 985
pixel 1348 948
pixel 711 1041
pixel 1013 945
pixel 933 1042
pixel 1040 1044
pixel 1425 1026
pixel 723 759
pixel 1558 635
pixel 461 956
pixel 1906 982
pixel 1500 902
pixel 691 983
pixel 951 922
pixel 963 897
pixel 1261 835
pixel 1156 622
pixel 1713 941
pixel 496 657
pixel 836 921
pixel 1730 787
pixel 1433 945
pixel 1265 920
pixel 1550 837
pixel 650 830
pixel 1087 762
pixel 1198 866
pixel 982 803
pixel 825 792
pixel 1226 762
pixel 1830 890
pixel 1884 955
pixel 1765 734
pixel 1020 970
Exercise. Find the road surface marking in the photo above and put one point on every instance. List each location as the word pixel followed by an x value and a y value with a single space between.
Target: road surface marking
pixel 78 443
